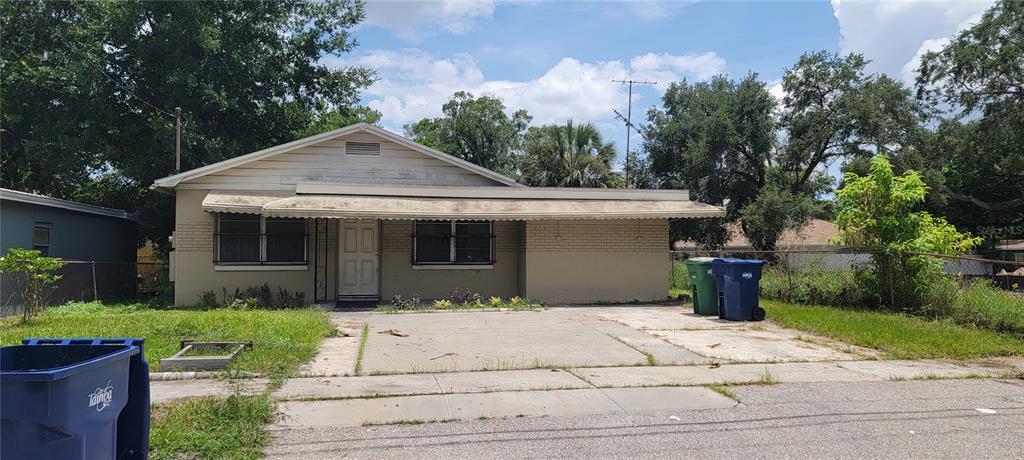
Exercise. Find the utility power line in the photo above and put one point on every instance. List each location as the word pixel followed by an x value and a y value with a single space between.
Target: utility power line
pixel 177 115
pixel 628 119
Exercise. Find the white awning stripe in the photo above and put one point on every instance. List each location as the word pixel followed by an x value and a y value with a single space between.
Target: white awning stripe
pixel 381 207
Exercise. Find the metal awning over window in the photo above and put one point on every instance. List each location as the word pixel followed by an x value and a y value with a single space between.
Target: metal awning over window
pixel 238 202
pixel 402 207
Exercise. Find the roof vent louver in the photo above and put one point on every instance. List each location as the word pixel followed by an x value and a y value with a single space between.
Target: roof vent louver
pixel 362 148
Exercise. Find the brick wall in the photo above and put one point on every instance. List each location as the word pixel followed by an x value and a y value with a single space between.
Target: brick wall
pixel 194 236
pixel 642 235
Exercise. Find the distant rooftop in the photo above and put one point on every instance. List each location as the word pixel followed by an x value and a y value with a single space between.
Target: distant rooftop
pixel 1011 245
pixel 815 235
pixel 41 200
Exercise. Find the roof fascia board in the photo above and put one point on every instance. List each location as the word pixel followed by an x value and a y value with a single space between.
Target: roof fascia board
pixel 40 200
pixel 522 192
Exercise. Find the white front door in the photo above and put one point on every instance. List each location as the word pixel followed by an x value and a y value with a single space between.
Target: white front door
pixel 357 259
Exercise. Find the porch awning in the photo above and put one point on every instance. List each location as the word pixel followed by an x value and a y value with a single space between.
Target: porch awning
pixel 238 202
pixel 401 207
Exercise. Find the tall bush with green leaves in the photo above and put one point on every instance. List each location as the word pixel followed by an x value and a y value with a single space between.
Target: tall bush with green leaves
pixel 876 212
pixel 39 276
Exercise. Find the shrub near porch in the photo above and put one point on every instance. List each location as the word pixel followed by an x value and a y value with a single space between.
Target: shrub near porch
pixel 282 339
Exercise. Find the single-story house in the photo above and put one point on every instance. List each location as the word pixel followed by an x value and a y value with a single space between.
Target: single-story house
pixel 98 244
pixel 363 214
pixel 66 229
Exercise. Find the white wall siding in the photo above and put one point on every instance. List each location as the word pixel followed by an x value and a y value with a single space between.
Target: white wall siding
pixel 327 162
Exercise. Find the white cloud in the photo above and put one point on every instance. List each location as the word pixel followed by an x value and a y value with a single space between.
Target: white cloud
pixel 894 34
pixel 414 84
pixel 775 89
pixel 412 20
pixel 658 9
pixel 909 71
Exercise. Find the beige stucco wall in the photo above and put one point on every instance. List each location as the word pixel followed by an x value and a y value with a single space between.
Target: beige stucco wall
pixel 193 258
pixel 582 261
pixel 399 277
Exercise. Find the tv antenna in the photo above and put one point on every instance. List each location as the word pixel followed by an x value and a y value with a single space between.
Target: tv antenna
pixel 628 119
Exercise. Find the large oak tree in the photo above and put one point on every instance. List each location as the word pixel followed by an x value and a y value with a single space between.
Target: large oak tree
pixel 89 90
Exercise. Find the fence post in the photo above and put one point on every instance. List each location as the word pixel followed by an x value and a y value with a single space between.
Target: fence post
pixel 95 295
pixel 789 278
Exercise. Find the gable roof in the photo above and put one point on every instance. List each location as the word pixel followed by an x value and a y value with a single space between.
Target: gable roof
pixel 170 182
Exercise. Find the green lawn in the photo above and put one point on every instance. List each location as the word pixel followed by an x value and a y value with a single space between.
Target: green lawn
pixel 211 428
pixel 898 336
pixel 282 339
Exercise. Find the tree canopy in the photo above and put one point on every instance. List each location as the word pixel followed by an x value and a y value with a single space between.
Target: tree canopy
pixel 475 129
pixel 90 90
pixel 569 155
pixel 982 67
pixel 715 138
pixel 732 143
pixel 877 212
pixel 976 156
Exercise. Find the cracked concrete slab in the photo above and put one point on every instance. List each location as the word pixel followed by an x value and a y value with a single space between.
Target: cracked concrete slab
pixel 337 356
pixel 662 351
pixel 357 387
pixel 355 412
pixel 659 317
pixel 791 372
pixel 753 346
pixel 649 376
pixel 449 342
pixel 165 391
pixel 729 373
pixel 635 400
pixel 534 379
pixel 557 403
pixel 898 370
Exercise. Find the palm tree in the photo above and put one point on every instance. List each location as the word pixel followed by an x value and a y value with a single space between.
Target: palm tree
pixel 569 155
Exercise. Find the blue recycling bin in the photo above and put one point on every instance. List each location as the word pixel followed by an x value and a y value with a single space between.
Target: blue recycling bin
pixel 737 281
pixel 68 399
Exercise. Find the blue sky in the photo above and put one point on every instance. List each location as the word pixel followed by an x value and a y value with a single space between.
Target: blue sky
pixel 557 59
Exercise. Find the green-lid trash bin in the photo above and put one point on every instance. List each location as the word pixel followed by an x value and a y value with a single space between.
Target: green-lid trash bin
pixel 702 283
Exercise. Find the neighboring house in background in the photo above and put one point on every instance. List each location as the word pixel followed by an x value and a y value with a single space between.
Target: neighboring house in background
pixel 74 232
pixel 65 229
pixel 817 234
pixel 1011 250
pixel 362 214
pixel 815 237
pixel 811 248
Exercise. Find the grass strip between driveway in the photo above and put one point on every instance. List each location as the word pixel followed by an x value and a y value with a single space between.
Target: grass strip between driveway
pixel 898 336
pixel 282 339
pixel 211 428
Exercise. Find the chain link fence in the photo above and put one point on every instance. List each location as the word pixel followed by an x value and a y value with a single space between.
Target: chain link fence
pixel 88 280
pixel 829 275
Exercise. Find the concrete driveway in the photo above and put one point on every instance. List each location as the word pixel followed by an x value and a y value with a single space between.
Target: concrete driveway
pixel 566 337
